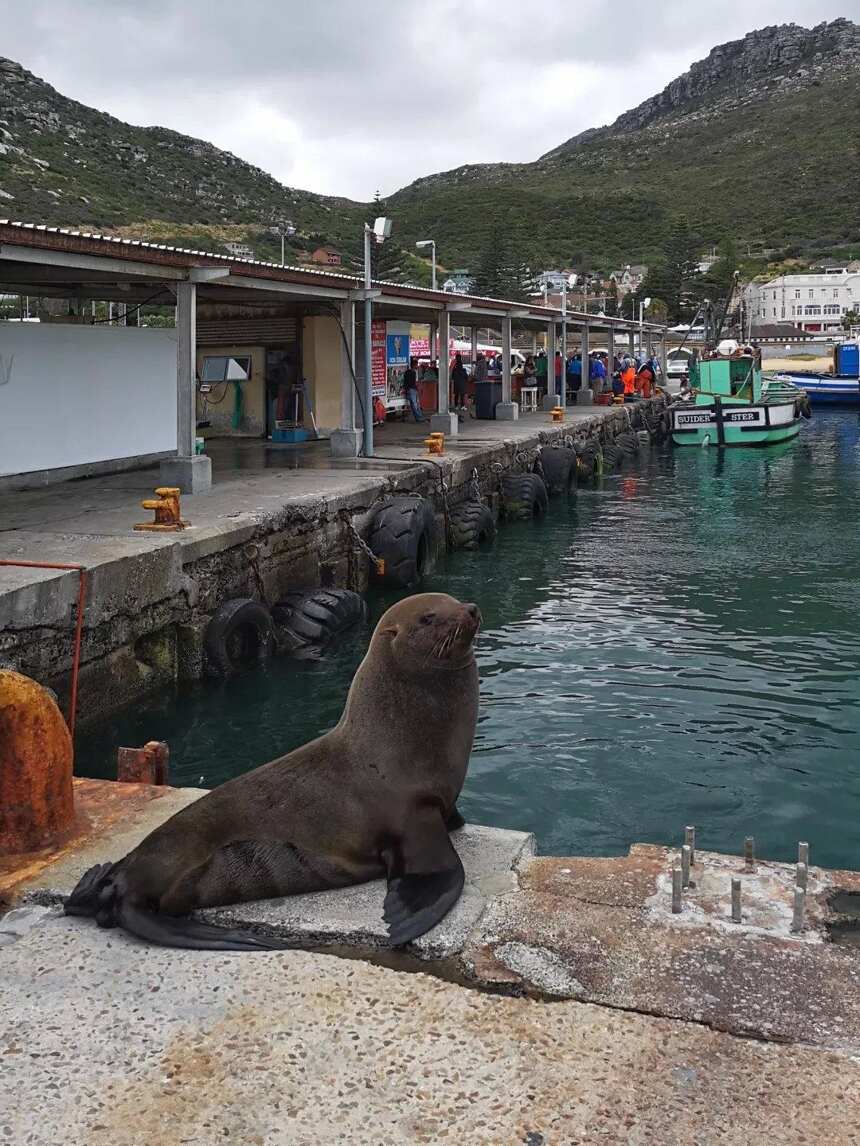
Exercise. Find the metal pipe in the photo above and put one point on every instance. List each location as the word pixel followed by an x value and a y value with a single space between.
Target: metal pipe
pixel 677 883
pixel 799 905
pixel 736 901
pixel 803 852
pixel 749 851
pixel 801 875
pixel 685 865
pixel 690 841
pixel 79 625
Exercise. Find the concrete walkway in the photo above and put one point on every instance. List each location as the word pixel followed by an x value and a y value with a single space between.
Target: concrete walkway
pixel 567 1005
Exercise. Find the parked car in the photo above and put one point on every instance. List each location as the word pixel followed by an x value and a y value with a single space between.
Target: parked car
pixel 678 362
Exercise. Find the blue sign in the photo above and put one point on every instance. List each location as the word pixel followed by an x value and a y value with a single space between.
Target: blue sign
pixel 397 349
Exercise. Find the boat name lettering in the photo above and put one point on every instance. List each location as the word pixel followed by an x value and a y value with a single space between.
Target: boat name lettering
pixel 746 416
pixel 694 419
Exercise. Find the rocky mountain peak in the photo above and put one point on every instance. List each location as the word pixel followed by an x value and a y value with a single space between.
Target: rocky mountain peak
pixel 783 57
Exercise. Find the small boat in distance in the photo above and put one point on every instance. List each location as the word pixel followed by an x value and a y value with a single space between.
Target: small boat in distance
pixel 730 404
pixel 840 386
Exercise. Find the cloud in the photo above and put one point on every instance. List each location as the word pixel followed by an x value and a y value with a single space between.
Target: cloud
pixel 344 98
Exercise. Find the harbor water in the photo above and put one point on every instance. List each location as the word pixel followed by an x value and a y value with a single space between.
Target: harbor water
pixel 680 645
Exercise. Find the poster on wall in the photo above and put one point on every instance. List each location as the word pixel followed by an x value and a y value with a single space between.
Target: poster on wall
pixel 398 349
pixel 377 358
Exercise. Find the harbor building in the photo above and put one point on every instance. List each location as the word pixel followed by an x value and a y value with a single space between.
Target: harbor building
pixel 813 303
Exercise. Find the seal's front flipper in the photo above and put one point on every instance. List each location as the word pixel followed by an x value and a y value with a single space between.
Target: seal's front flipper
pixel 425 878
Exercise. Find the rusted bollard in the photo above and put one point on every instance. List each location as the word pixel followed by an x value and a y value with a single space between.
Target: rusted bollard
pixel 36 803
pixel 147 765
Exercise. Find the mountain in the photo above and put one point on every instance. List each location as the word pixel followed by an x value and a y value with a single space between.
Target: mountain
pixel 64 163
pixel 758 142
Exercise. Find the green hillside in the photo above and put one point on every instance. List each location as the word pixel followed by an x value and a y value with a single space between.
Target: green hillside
pixel 756 143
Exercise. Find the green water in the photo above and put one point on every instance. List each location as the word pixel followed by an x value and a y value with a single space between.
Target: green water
pixel 679 646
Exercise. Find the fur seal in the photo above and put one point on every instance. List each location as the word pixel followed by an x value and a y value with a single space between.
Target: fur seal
pixel 376 796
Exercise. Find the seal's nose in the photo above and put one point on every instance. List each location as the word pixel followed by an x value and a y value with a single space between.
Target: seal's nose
pixel 474 612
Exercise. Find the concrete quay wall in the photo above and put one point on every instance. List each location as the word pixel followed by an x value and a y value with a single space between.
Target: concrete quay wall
pixel 150 596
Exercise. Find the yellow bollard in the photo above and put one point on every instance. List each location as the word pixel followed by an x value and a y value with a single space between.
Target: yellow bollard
pixel 557 414
pixel 166 509
pixel 435 443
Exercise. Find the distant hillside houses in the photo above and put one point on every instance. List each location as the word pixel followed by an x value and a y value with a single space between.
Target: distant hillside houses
pixel 458 282
pixel 815 303
pixel 239 250
pixel 629 280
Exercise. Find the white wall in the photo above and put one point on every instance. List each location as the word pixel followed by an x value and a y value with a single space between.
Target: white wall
pixel 76 394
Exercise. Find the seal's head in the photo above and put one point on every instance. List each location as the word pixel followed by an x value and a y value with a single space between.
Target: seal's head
pixel 430 630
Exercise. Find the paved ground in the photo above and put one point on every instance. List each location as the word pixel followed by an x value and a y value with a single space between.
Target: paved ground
pixel 110 1042
pixel 628 1024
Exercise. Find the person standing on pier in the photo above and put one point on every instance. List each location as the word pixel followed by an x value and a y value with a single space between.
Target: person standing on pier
pixel 410 389
pixel 459 378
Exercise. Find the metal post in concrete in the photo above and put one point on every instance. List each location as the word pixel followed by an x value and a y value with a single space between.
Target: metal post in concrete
pixel 345 442
pixel 736 901
pixel 549 399
pixel 368 352
pixel 690 841
pixel 803 852
pixel 801 877
pixel 685 865
pixel 187 471
pixel 585 397
pixel 677 890
pixel 799 908
pixel 444 421
pixel 507 410
pixel 749 851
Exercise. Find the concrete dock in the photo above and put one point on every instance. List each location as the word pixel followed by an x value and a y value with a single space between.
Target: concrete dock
pixel 560 1002
pixel 274 520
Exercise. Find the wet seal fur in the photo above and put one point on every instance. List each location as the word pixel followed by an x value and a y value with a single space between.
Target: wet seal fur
pixel 374 797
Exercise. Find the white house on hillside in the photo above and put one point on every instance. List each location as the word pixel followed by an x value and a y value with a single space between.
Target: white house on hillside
pixel 813 302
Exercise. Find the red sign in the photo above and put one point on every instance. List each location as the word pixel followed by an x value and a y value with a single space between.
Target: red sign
pixel 377 358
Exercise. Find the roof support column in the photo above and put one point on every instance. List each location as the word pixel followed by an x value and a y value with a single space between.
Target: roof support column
pixel 187 471
pixel 444 421
pixel 549 399
pixel 506 410
pixel 631 343
pixel 610 355
pixel 663 358
pixel 562 385
pixel 585 397
pixel 345 442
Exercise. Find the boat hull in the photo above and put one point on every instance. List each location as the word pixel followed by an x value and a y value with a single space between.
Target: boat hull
pixel 717 424
pixel 824 389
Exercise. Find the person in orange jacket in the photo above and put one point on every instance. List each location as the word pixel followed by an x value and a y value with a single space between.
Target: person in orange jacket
pixel 628 377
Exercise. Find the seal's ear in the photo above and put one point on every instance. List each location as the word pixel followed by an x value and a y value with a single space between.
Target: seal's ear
pixel 389 631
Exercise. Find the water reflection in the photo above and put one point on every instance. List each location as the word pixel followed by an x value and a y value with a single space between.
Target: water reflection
pixel 677 646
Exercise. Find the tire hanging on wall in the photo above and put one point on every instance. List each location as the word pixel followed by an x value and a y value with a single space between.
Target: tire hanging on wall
pixel 403 535
pixel 315 616
pixel 472 525
pixel 524 496
pixel 559 469
pixel 589 458
pixel 240 631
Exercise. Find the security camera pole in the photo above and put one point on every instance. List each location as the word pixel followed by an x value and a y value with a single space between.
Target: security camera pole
pixel 379 232
pixel 422 245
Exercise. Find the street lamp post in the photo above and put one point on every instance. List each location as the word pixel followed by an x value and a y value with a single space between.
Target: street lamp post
pixel 422 245
pixel 285 229
pixel 643 305
pixel 379 232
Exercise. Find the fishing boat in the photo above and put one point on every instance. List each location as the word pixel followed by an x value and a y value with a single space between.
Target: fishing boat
pixel 730 404
pixel 840 386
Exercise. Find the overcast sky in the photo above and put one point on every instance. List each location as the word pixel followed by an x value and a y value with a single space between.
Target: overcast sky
pixel 347 96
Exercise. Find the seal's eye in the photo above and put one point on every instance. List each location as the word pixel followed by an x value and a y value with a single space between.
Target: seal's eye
pixel 428 618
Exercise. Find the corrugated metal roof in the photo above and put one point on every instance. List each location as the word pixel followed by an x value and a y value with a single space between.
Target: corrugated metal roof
pixel 536 311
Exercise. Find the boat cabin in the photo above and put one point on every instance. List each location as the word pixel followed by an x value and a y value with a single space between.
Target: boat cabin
pixel 735 377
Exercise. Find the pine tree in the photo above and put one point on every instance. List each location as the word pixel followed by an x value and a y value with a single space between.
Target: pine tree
pixel 673 277
pixel 501 270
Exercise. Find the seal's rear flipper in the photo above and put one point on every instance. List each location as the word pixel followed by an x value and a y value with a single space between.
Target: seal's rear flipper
pixel 425 878
pixel 175 931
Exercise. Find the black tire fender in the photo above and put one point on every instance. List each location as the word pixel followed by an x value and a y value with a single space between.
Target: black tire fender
pixel 472 525
pixel 314 616
pixel 524 496
pixel 404 536
pixel 559 469
pixel 240 630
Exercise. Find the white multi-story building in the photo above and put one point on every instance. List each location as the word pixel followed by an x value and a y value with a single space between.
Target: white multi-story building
pixel 815 302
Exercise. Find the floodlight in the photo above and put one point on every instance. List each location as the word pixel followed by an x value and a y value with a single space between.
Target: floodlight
pixel 382 228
